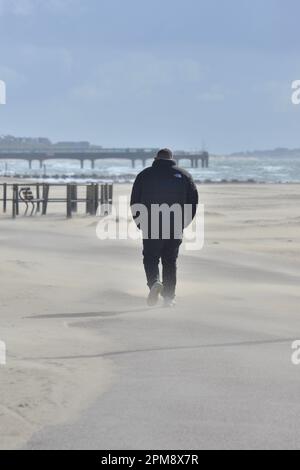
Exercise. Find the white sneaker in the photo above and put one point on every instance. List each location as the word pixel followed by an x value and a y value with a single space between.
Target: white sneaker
pixel 154 294
pixel 169 303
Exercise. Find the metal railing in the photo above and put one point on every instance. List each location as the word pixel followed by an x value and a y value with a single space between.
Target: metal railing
pixel 40 196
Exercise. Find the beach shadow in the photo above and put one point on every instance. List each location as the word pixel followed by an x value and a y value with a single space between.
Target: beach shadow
pixel 111 297
pixel 110 354
pixel 104 314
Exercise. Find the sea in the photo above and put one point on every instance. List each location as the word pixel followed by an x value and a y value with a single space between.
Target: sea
pixel 221 169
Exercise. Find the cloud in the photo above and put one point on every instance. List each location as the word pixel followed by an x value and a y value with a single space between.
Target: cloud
pixel 211 97
pixel 35 55
pixel 12 76
pixel 30 7
pixel 139 76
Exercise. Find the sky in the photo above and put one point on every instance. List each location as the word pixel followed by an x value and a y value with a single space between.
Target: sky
pixel 186 74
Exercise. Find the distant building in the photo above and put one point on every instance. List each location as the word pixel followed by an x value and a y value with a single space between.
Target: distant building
pixel 9 143
pixel 71 146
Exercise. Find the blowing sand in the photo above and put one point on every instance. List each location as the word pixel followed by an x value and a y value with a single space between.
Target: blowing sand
pixel 56 274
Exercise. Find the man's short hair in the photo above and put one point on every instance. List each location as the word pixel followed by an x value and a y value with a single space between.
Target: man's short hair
pixel 165 154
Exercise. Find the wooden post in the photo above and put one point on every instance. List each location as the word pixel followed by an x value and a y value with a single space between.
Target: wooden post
pixel 69 201
pixel 17 199
pixel 4 197
pixel 92 199
pixel 74 204
pixel 102 195
pixel 45 198
pixel 88 199
pixel 110 197
pixel 101 199
pixel 111 192
pixel 38 206
pixel 104 210
pixel 14 201
pixel 96 198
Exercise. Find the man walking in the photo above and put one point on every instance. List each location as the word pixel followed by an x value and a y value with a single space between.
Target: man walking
pixel 162 186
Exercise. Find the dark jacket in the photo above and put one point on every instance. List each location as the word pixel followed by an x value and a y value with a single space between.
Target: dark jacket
pixel 165 183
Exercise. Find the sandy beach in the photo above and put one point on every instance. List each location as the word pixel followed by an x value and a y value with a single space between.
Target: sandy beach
pixel 67 302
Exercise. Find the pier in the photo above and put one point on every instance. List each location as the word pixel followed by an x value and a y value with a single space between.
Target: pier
pixel 133 156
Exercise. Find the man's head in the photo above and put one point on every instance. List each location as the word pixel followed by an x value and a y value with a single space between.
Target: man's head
pixel 164 154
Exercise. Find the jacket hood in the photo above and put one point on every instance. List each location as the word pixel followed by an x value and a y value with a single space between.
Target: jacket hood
pixel 163 163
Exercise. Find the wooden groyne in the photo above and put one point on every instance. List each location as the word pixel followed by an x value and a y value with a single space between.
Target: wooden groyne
pixel 36 198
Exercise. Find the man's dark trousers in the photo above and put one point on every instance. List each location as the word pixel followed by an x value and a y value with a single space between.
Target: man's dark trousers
pixel 167 251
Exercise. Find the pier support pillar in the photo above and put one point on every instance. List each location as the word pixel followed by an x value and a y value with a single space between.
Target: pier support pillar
pixel 133 163
pixel 93 164
pixel 30 164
